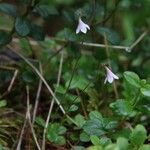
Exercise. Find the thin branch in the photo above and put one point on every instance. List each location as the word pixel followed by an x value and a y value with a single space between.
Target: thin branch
pixel 21 134
pixel 29 119
pixel 45 83
pixel 52 102
pixel 42 78
pixel 37 95
pixel 138 40
pixel 119 47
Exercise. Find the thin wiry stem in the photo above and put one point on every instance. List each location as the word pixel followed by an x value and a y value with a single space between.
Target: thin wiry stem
pixel 18 147
pixel 29 119
pixel 138 40
pixel 52 102
pixel 37 95
pixel 119 47
pixel 42 78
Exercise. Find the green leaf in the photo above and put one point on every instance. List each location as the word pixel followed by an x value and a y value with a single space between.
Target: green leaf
pixel 62 130
pixel 78 148
pixel 84 137
pixel 144 147
pixel 40 121
pixel 77 82
pixel 8 9
pixel 60 89
pixel 94 127
pixel 122 107
pixel 54 133
pixel 111 35
pixel 146 90
pixel 138 134
pixel 5 38
pixel 111 147
pixel 3 103
pixel 67 34
pixel 95 114
pixel 109 124
pixel 45 10
pixel 122 143
pixel 95 148
pixel 1 148
pixel 79 119
pixel 37 33
pixel 105 141
pixel 22 26
pixel 73 108
pixel 132 78
pixel 95 140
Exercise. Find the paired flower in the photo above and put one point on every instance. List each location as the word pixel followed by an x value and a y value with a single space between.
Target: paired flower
pixel 82 27
pixel 110 77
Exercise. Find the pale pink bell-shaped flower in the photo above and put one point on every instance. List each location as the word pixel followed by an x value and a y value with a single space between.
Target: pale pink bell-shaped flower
pixel 82 27
pixel 110 76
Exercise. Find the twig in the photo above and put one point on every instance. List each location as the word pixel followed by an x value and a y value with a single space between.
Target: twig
pixel 45 83
pixel 52 102
pixel 92 44
pixel 29 119
pixel 37 95
pixel 11 82
pixel 138 40
pixel 42 78
pixel 126 48
pixel 21 134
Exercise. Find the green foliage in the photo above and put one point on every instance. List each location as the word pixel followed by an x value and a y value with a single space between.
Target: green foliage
pixel 22 26
pixel 132 78
pixel 8 9
pixel 146 90
pixel 5 37
pixel 36 32
pixel 97 116
pixel 55 132
pixel 122 108
pixel 3 103
pixel 45 10
pixel 111 35
pixel 138 134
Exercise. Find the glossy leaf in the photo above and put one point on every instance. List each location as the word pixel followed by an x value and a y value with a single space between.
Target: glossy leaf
pixel 22 26
pixel 138 134
pixel 132 78
pixel 5 38
pixel 8 9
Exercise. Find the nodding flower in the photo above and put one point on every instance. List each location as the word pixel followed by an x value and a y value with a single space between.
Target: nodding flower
pixel 110 76
pixel 82 27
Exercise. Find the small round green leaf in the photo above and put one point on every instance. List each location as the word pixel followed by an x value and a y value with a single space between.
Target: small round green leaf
pixel 138 135
pixel 8 9
pixel 36 32
pixel 146 90
pixel 122 143
pixel 3 103
pixel 45 10
pixel 132 78
pixel 95 140
pixel 22 26
pixel 5 37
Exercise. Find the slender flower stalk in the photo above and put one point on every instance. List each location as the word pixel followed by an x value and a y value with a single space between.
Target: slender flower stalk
pixel 110 76
pixel 82 27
